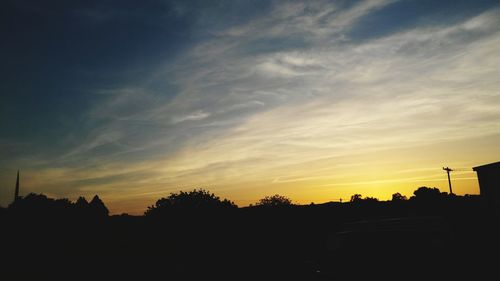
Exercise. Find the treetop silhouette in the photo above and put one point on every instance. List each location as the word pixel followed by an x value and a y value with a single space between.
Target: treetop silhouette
pixel 274 201
pixel 40 205
pixel 197 200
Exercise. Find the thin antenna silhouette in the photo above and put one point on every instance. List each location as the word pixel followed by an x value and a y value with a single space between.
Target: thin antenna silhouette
pixel 16 194
pixel 448 170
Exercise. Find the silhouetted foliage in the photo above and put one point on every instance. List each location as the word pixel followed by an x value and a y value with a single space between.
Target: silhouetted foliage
pixel 356 198
pixel 199 226
pixel 198 200
pixel 40 205
pixel 398 197
pixel 81 202
pixel 425 193
pixel 274 201
pixel 97 207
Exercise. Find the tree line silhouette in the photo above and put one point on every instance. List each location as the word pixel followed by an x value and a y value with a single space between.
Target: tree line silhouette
pixel 193 235
pixel 197 200
pixel 40 205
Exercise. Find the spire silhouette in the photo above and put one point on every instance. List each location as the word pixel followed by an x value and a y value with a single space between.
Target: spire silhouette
pixel 16 195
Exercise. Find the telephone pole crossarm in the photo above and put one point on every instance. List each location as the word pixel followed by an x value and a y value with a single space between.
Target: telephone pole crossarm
pixel 448 170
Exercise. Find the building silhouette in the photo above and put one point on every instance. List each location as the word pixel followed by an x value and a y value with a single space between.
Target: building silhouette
pixel 489 183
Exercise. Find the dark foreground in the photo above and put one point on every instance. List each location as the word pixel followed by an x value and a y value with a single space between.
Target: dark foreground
pixel 317 242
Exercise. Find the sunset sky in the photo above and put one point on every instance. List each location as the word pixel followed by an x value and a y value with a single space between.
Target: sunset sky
pixel 314 100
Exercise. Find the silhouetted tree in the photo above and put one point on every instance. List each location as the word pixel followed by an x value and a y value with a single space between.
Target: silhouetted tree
pixel 97 207
pixel 429 200
pixel 356 198
pixel 82 207
pixel 274 201
pixel 81 202
pixel 37 205
pixel 425 193
pixel 196 200
pixel 398 197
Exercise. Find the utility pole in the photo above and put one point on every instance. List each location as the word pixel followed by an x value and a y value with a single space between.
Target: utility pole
pixel 448 170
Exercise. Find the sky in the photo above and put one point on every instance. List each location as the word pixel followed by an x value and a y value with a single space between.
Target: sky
pixel 313 100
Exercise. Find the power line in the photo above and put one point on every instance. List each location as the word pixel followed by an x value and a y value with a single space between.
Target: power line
pixel 463 170
pixel 448 170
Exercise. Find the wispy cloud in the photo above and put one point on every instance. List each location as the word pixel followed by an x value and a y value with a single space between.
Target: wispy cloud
pixel 288 99
pixel 197 115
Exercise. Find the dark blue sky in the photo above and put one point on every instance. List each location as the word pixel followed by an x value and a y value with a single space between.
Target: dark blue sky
pixel 55 54
pixel 86 85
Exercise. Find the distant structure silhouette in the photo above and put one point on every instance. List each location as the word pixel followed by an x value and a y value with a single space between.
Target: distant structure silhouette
pixel 489 180
pixel 16 194
pixel 448 170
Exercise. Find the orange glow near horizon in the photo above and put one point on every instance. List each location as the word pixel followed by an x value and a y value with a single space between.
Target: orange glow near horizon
pixel 376 174
pixel 305 100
